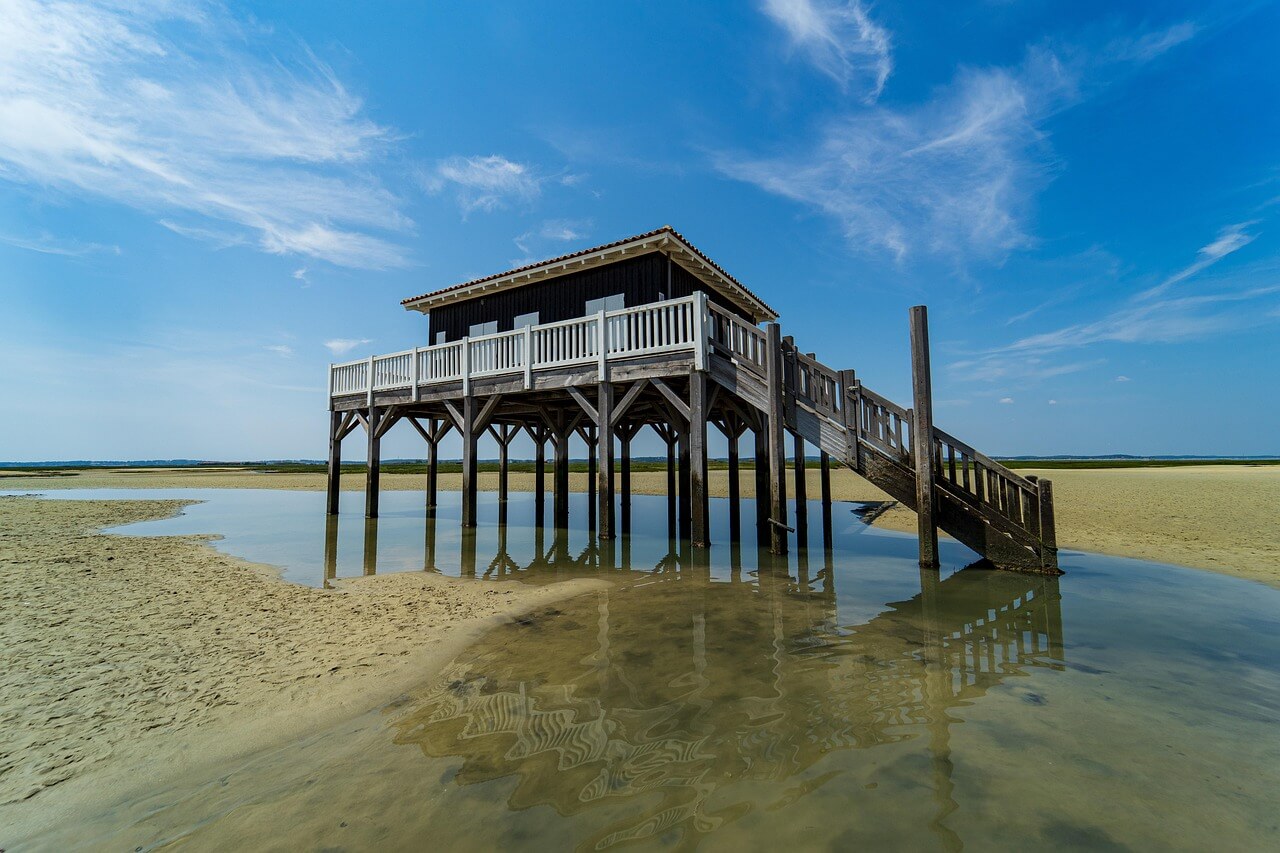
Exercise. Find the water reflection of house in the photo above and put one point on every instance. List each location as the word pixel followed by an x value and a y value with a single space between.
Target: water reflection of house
pixel 679 688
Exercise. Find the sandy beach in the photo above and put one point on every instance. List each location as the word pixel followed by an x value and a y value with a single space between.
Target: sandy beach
pixel 1216 517
pixel 128 660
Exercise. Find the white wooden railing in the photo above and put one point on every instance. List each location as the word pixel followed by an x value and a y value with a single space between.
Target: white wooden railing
pixel 675 325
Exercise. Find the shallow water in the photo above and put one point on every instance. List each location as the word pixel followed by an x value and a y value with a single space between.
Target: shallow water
pixel 722 699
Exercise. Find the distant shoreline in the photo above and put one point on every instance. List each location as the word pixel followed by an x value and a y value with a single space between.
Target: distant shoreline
pixel 638 463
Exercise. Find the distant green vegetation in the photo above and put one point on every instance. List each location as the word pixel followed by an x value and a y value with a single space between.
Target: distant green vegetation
pixel 1128 463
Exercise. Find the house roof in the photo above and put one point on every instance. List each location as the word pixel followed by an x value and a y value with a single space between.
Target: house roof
pixel 665 239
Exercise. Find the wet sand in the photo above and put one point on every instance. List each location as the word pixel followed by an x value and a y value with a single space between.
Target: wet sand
pixel 1217 517
pixel 125 661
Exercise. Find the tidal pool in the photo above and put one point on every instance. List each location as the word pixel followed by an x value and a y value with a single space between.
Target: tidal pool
pixel 725 699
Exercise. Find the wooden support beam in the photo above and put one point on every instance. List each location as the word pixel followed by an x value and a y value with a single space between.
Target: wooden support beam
pixel 582 400
pixel 372 466
pixel 922 436
pixel 672 397
pixel 620 410
pixel 505 431
pixel 686 503
pixel 700 522
pixel 486 413
pixel 334 482
pixel 589 438
pixel 349 423
pixel 390 417
pixel 467 428
pixel 625 434
pixel 802 492
pixel 604 477
pixel 539 435
pixel 413 422
pixel 671 483
pixel 1048 528
pixel 777 449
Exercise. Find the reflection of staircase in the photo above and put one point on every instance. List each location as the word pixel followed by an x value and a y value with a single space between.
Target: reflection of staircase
pixel 1005 517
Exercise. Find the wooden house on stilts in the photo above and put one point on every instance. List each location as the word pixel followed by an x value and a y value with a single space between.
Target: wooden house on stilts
pixel 649 332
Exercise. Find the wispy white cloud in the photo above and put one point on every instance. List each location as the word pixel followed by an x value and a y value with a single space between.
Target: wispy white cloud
pixel 838 38
pixel 1148 46
pixel 956 174
pixel 1008 401
pixel 283 350
pixel 47 244
pixel 483 183
pixel 1123 378
pixel 551 231
pixel 300 274
pixel 1231 239
pixel 163 106
pixel 342 346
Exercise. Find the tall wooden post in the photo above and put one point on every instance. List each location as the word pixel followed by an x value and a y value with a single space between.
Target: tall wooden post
pixel 560 501
pixel 372 466
pixel 685 503
pixel 625 473
pixel 434 435
pixel 827 533
pixel 371 546
pixel 802 493
pixel 593 508
pixel 539 474
pixel 604 476
pixel 335 461
pixel 671 483
pixel 764 530
pixel 700 529
pixel 735 488
pixel 502 434
pixel 777 445
pixel 469 479
pixel 922 436
pixel 1048 530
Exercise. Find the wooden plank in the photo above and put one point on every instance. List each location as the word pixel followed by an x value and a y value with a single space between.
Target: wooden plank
pixel 620 410
pixel 486 413
pixel 922 436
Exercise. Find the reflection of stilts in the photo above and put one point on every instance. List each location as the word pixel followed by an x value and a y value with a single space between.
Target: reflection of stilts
pixel 330 551
pixel 370 546
pixel 468 559
pixel 937 692
pixel 429 546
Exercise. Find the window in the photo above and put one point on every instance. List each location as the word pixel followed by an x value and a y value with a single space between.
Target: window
pixel 608 303
pixel 490 328
pixel 440 336
pixel 525 320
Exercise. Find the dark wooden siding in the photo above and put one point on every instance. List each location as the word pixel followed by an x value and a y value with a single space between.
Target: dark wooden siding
pixel 641 280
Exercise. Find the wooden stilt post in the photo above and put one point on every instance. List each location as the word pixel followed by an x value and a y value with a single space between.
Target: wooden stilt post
pixel 802 493
pixel 764 530
pixel 625 465
pixel 922 436
pixel 672 497
pixel 539 474
pixel 469 483
pixel 1048 530
pixel 335 461
pixel 372 466
pixel 604 477
pixel 560 501
pixel 699 526
pixel 827 533
pixel 433 465
pixel 777 445
pixel 735 487
pixel 685 510
pixel 593 508
pixel 371 545
pixel 503 435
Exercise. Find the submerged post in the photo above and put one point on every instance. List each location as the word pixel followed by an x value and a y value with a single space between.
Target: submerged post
pixel 372 466
pixel 335 460
pixel 1048 531
pixel 433 466
pixel 760 436
pixel 469 484
pixel 922 436
pixel 802 493
pixel 735 487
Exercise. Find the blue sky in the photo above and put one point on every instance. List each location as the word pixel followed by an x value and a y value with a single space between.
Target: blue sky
pixel 202 205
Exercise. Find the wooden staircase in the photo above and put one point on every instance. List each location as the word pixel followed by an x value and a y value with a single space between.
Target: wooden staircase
pixel 1006 518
